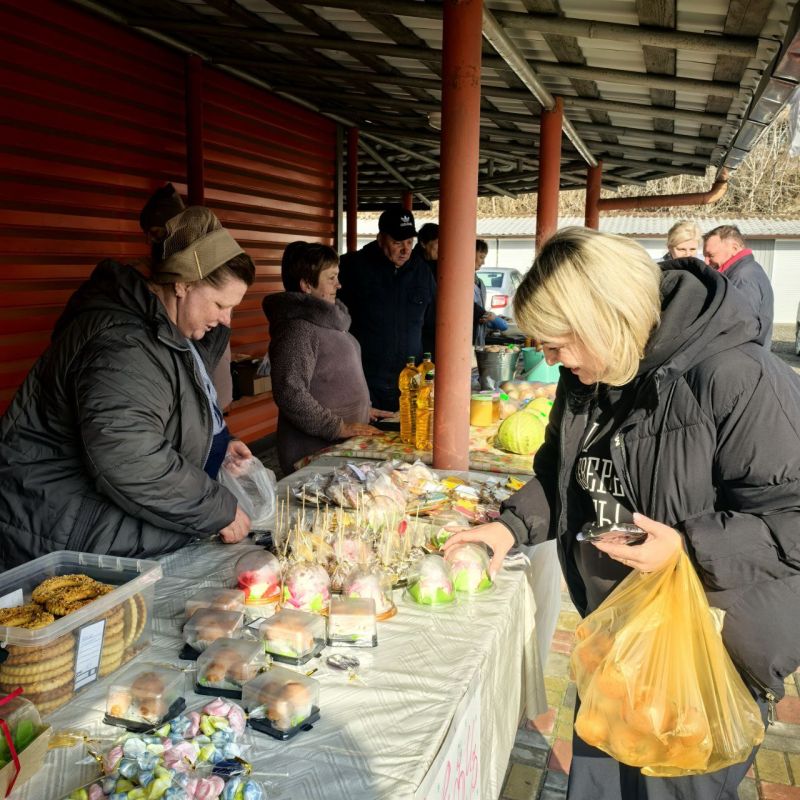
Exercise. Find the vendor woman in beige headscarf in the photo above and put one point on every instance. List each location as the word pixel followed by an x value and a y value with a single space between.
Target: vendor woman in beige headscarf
pixel 113 441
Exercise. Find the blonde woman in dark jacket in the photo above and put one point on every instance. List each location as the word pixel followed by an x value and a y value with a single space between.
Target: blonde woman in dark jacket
pixel 112 443
pixel 670 415
pixel 318 382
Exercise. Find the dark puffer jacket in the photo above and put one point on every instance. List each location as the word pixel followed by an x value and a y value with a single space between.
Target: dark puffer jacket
pixel 317 379
pixel 103 446
pixel 748 276
pixel 712 448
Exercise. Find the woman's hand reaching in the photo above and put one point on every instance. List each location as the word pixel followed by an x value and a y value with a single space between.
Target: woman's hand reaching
pixel 237 530
pixel 661 544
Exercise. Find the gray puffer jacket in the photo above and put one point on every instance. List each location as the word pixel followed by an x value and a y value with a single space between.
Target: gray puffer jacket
pixel 317 378
pixel 711 447
pixel 102 449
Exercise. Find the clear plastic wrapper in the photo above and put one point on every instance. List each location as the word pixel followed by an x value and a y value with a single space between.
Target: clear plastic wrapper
pixel 207 625
pixel 469 567
pixel 351 622
pixel 281 702
pixel 216 598
pixel 226 665
pixel 306 587
pixel 430 583
pixel 145 696
pixel 30 738
pixel 258 575
pixel 292 636
pixel 373 582
pixel 254 486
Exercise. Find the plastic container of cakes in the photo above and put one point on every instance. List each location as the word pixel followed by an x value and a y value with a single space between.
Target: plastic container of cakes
pixel 351 622
pixel 71 618
pixel 226 665
pixel 145 697
pixel 430 584
pixel 281 703
pixel 293 637
pixel 207 625
pixel 469 567
pixel 214 597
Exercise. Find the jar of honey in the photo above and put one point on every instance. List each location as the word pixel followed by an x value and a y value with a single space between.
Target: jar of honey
pixel 481 409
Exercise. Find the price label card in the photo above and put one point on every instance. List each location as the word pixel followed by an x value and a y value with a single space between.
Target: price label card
pixel 87 655
pixel 12 599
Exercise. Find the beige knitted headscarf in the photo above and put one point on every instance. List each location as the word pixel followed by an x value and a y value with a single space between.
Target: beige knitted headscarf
pixel 196 244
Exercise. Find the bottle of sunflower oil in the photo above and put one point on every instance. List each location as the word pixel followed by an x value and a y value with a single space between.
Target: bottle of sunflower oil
pixel 424 433
pixel 425 367
pixel 408 383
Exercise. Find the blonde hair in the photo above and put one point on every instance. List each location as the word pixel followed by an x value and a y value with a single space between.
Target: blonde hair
pixel 602 289
pixel 683 231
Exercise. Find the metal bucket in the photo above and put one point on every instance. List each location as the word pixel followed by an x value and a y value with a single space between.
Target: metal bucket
pixel 495 368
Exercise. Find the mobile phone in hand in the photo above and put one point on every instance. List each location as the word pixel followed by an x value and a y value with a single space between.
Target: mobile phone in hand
pixel 613 533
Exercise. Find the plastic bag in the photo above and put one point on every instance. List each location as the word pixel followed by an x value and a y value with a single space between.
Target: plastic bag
pixel 658 689
pixel 254 486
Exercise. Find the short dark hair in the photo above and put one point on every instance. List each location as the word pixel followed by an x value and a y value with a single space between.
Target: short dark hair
pixel 429 232
pixel 481 246
pixel 239 267
pixel 164 204
pixel 725 232
pixel 303 261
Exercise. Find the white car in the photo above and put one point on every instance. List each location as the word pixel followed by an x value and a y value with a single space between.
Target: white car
pixel 501 283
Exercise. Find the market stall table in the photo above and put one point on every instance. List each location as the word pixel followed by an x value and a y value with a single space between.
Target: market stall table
pixel 483 456
pixel 378 734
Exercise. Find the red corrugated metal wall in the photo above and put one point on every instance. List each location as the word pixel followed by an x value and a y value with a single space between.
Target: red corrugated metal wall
pixel 91 121
pixel 270 171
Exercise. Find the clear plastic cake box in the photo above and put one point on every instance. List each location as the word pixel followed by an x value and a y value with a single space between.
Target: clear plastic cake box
pixel 57 661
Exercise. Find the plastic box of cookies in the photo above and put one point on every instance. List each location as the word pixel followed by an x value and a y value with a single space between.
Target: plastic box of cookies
pixel 281 702
pixel 144 697
pixel 70 618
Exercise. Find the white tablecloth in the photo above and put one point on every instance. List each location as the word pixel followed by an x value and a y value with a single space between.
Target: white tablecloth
pixel 378 736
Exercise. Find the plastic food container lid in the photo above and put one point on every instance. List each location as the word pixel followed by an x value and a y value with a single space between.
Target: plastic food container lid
pixel 207 625
pixel 129 575
pixel 291 633
pixel 216 598
pixel 146 693
pixel 283 697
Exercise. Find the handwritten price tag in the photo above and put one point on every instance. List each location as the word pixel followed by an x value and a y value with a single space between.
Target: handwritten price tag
pixel 456 771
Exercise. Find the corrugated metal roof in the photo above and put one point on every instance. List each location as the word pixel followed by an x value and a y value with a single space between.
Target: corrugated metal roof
pixel 631 225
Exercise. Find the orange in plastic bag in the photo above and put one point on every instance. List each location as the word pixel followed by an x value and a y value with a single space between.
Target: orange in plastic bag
pixel 658 689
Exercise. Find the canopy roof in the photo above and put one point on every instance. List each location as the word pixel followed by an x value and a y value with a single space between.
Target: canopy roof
pixel 652 87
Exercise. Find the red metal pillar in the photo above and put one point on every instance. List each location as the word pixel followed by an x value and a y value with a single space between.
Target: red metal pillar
pixel 460 147
pixel 408 200
pixel 352 189
pixel 594 180
pixel 549 173
pixel 194 130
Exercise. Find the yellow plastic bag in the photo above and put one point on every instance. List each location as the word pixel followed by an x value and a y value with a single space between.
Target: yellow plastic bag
pixel 658 689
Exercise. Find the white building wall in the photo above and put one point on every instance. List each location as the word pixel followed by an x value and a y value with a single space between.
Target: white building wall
pixel 786 279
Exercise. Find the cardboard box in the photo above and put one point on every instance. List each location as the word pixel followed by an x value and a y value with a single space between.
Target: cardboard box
pixel 246 381
pixel 30 762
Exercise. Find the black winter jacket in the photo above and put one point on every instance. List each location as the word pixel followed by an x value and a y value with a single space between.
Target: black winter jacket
pixel 748 276
pixel 317 380
pixel 712 448
pixel 389 306
pixel 102 448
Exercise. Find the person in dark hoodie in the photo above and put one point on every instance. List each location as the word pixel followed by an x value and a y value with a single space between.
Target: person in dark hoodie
pixel 317 380
pixel 112 443
pixel 668 414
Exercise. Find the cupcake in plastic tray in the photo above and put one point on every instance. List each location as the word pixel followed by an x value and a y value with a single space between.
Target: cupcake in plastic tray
pixel 226 665
pixel 258 574
pixel 214 597
pixel 281 702
pixel 372 582
pixel 307 587
pixel 469 566
pixel 293 636
pixel 351 622
pixel 430 583
pixel 144 697
pixel 207 625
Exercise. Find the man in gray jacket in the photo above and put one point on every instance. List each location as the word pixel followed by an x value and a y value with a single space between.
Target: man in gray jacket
pixel 725 250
